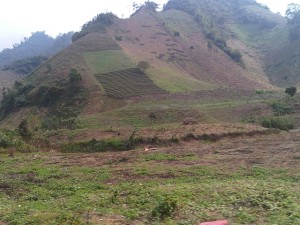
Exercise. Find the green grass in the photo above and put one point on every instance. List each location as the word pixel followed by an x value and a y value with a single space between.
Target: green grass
pixel 174 82
pixel 128 83
pixel 48 190
pixel 169 112
pixel 102 62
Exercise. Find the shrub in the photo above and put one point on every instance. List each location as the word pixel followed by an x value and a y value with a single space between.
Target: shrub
pixel 119 38
pixel 176 34
pixel 11 141
pixel 103 145
pixel 27 65
pixel 24 129
pixel 166 207
pixel 5 141
pixel 143 65
pixel 97 146
pixel 281 108
pixel 54 122
pixel 189 121
pixel 74 76
pixel 291 91
pixel 152 116
pixel 278 122
pixel 46 95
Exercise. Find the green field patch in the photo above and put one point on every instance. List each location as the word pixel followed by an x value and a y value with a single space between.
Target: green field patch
pixel 128 83
pixel 48 189
pixel 101 62
pixel 174 82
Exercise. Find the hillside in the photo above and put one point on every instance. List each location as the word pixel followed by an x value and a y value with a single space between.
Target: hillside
pixel 150 36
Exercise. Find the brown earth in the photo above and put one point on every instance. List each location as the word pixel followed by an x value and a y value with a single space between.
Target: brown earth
pixel 147 37
pixel 272 151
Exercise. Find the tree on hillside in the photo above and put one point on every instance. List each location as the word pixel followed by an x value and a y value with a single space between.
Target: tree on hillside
pixel 38 44
pixel 152 6
pixel 74 78
pixel 148 5
pixel 143 65
pixel 135 6
pixel 23 130
pixel 291 91
pixel 98 24
pixel 292 11
pixel 27 65
pixel 293 16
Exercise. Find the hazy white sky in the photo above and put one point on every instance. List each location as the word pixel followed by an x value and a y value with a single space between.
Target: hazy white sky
pixel 18 18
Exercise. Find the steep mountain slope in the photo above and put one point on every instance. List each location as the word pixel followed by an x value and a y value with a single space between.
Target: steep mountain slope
pixel 150 36
pixel 191 46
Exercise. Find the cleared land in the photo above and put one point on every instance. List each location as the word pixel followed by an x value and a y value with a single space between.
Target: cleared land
pixel 252 180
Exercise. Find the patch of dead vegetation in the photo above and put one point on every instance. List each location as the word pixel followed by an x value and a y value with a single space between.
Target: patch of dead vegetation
pixel 272 151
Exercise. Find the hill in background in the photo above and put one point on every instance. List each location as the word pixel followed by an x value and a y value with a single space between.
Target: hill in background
pixel 38 44
pixel 26 56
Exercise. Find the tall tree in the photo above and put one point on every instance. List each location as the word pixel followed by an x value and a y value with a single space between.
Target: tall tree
pixel 150 5
pixel 292 11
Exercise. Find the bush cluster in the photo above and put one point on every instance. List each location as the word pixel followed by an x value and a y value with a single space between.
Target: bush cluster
pixel 278 122
pixel 166 207
pixel 98 23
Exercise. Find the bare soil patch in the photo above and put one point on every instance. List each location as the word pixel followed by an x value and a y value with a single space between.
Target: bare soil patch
pixel 272 151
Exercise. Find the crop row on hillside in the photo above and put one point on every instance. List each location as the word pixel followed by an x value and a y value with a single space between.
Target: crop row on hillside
pixel 128 83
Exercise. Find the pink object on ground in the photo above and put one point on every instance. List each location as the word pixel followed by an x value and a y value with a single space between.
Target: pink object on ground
pixel 223 222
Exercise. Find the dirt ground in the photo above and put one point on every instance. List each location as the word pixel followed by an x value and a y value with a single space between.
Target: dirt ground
pixel 272 151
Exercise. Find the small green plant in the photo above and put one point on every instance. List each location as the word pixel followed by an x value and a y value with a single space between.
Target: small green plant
pixel 166 207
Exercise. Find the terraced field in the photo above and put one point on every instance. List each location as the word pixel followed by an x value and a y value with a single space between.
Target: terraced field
pixel 128 83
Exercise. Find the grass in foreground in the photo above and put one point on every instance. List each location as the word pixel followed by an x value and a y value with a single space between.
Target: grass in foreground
pixel 150 188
